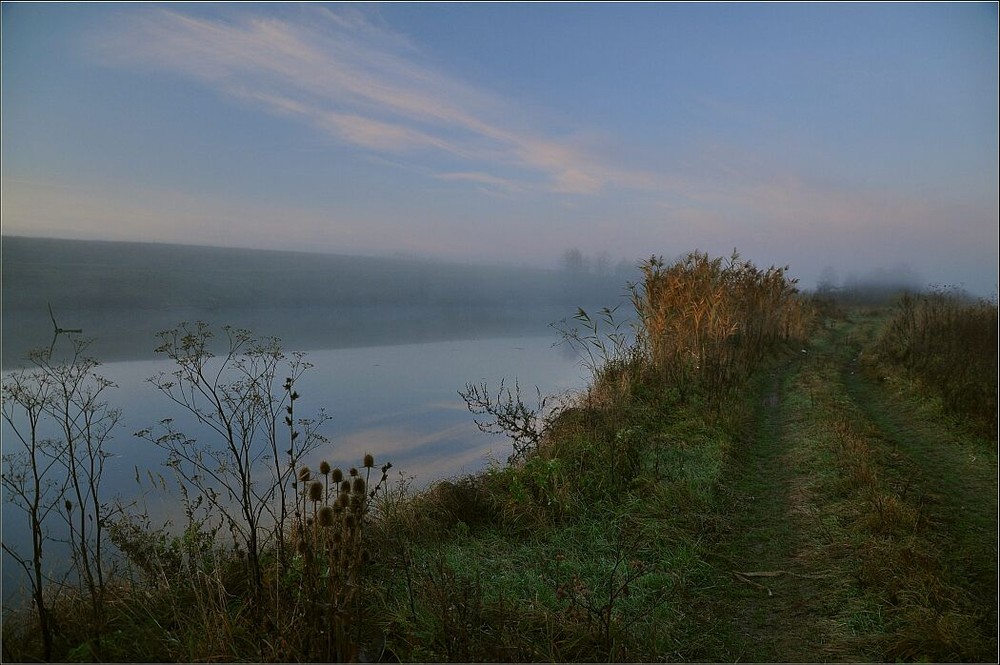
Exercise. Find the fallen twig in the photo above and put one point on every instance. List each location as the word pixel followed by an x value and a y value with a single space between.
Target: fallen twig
pixel 777 573
pixel 752 583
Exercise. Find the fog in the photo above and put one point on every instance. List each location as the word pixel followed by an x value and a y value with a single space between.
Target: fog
pixel 122 294
pixel 884 285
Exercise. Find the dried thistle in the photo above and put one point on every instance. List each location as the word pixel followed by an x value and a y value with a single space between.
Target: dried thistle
pixel 325 516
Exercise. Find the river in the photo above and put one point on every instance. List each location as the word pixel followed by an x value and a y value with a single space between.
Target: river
pixel 398 401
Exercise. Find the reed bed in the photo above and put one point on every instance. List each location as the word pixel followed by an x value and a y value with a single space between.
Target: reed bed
pixel 705 323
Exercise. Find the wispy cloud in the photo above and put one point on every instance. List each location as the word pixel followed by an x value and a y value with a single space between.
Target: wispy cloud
pixel 490 181
pixel 365 86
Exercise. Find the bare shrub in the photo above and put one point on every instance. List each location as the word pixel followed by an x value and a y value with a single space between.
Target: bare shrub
pixel 506 414
pixel 60 476
pixel 247 471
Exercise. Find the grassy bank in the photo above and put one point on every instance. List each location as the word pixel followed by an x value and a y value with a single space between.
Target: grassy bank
pixel 726 489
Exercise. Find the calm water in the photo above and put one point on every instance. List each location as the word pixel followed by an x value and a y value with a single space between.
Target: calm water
pixel 398 402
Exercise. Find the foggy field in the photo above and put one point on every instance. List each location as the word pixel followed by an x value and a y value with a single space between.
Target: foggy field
pixel 121 294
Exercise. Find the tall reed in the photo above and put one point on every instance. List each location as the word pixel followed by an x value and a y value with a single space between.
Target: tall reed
pixel 704 323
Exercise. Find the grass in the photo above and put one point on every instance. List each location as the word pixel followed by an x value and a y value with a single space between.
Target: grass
pixel 569 560
pixel 854 561
pixel 902 545
pixel 947 344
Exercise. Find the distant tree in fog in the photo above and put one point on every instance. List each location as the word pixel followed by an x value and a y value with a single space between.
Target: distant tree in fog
pixel 602 263
pixel 573 261
pixel 827 282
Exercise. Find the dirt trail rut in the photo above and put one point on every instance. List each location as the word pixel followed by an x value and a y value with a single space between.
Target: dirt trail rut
pixel 776 594
pixel 786 552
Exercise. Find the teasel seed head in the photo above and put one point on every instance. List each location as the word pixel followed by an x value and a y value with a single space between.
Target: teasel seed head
pixel 325 516
pixel 305 474
pixel 338 475
pixel 353 472
pixel 345 486
pixel 324 467
pixel 359 486
pixel 369 460
pixel 315 491
pixel 342 501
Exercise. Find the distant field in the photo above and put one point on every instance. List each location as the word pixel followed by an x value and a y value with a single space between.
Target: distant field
pixel 84 274
pixel 123 293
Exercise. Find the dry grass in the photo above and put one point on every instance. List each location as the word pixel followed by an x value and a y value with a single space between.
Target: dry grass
pixel 707 322
pixel 949 344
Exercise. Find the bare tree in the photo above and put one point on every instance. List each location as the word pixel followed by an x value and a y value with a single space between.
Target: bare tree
pixel 31 484
pixel 506 414
pixel 85 423
pixel 60 475
pixel 240 397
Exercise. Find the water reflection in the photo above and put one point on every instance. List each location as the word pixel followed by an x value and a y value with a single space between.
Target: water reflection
pixel 400 403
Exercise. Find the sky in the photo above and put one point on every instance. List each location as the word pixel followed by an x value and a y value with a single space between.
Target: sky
pixel 837 139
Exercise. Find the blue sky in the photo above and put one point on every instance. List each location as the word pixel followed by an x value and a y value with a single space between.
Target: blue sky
pixel 848 136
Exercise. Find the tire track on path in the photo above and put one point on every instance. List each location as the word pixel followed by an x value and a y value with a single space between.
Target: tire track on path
pixel 780 584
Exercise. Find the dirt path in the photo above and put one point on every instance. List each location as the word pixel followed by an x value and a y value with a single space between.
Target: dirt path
pixel 794 563
pixel 777 587
pixel 776 583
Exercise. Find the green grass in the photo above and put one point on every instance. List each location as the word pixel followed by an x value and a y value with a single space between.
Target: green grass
pixel 585 551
